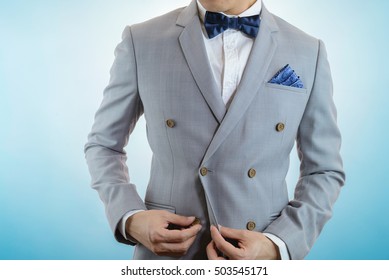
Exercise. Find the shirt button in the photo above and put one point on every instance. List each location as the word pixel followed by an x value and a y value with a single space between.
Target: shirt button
pixel 252 173
pixel 203 171
pixel 170 123
pixel 251 225
pixel 280 127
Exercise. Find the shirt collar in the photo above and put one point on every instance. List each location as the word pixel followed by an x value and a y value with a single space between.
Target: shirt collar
pixel 255 9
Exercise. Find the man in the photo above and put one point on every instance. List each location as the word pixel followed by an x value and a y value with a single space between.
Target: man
pixel 218 85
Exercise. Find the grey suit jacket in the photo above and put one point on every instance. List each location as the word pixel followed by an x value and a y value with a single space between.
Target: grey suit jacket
pixel 226 167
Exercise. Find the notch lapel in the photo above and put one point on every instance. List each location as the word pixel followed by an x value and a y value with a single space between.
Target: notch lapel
pixel 192 44
pixel 258 63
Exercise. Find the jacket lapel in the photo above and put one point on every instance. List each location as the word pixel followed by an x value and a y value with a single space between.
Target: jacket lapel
pixel 261 55
pixel 192 44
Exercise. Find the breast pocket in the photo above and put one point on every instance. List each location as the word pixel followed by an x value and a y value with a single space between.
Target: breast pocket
pixel 286 89
pixel 158 206
pixel 284 107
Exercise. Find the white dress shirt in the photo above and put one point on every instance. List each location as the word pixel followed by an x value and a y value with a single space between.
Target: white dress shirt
pixel 228 54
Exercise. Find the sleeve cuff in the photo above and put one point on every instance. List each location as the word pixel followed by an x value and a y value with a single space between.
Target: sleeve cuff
pixel 280 244
pixel 122 225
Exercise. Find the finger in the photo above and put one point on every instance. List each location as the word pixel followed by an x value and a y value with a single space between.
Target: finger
pixel 175 249
pixel 231 233
pixel 226 247
pixel 212 252
pixel 179 236
pixel 179 220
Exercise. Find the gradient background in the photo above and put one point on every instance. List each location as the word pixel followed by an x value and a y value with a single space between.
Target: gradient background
pixel 54 64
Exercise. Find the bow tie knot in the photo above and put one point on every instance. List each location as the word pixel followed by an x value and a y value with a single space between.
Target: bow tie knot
pixel 217 23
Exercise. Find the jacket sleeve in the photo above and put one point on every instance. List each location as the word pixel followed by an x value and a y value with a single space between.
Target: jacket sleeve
pixel 114 121
pixel 321 170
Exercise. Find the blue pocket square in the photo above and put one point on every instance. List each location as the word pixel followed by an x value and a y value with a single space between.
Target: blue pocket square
pixel 287 77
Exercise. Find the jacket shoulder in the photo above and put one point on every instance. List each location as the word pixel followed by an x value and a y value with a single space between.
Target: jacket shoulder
pixel 157 26
pixel 293 34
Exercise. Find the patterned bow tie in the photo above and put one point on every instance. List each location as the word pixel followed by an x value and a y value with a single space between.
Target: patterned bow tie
pixel 216 23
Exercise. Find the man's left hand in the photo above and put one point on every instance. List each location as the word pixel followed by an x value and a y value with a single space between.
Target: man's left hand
pixel 251 245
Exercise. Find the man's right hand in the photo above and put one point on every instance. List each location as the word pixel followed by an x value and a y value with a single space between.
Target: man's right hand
pixel 151 229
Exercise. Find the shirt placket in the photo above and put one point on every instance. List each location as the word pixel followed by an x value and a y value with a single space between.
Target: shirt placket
pixel 231 64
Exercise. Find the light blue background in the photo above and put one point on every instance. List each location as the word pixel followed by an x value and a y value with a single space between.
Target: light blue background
pixel 54 63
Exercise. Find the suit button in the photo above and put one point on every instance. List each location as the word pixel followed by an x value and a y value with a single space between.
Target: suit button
pixel 170 123
pixel 251 225
pixel 203 171
pixel 252 173
pixel 280 127
pixel 196 222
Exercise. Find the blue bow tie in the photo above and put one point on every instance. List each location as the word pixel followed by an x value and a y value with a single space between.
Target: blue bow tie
pixel 216 23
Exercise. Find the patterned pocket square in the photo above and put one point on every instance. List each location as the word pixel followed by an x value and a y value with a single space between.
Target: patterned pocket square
pixel 287 77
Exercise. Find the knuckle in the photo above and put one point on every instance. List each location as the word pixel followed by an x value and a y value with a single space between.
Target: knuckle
pixel 184 252
pixel 181 236
pixel 241 255
pixel 155 237
pixel 154 249
pixel 152 237
pixel 158 250
pixel 159 253
pixel 184 235
pixel 244 233
pixel 187 245
pixel 183 249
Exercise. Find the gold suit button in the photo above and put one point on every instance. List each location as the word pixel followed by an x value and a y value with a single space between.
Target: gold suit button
pixel 280 127
pixel 252 173
pixel 170 123
pixel 251 225
pixel 196 222
pixel 203 171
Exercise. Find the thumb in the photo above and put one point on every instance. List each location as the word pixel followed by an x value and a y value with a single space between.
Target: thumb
pixel 179 220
